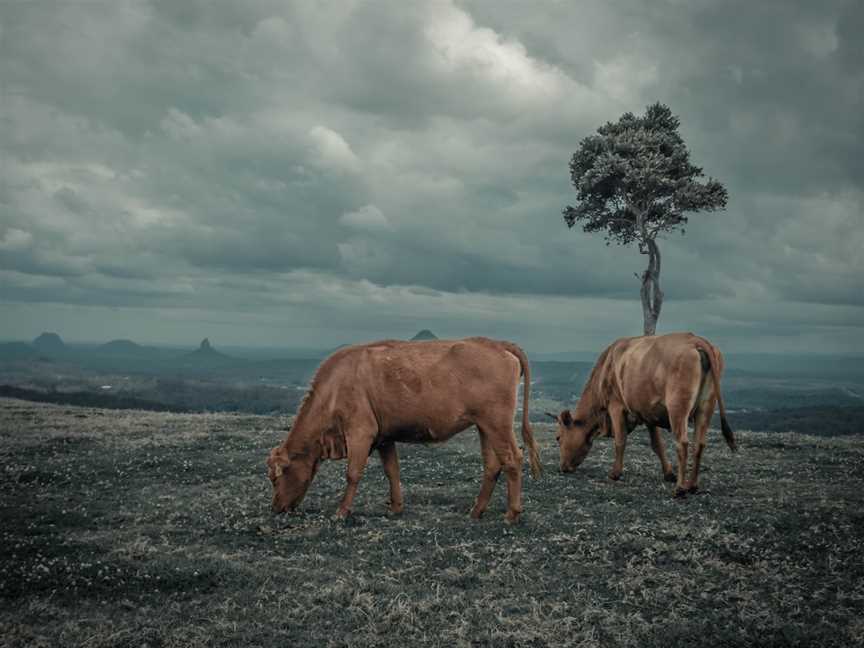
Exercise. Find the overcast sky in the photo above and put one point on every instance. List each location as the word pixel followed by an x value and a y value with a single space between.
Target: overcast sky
pixel 307 174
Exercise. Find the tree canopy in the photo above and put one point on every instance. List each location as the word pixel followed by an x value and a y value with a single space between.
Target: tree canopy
pixel 634 179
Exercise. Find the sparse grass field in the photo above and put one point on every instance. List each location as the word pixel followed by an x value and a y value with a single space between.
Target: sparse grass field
pixel 127 528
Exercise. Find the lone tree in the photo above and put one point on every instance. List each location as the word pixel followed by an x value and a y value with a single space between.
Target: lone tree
pixel 634 180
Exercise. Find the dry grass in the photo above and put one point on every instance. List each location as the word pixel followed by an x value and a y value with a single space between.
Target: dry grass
pixel 147 529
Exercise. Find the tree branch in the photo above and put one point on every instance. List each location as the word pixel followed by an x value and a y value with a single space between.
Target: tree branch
pixel 623 221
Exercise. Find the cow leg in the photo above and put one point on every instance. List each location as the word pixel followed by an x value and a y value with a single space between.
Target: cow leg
pixel 659 448
pixel 679 429
pixel 491 471
pixel 619 434
pixel 503 442
pixel 701 421
pixel 358 454
pixel 390 461
pixel 512 464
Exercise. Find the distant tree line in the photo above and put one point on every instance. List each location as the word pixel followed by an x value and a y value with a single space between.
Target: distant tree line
pixel 87 399
pixel 820 420
pixel 824 420
pixel 172 395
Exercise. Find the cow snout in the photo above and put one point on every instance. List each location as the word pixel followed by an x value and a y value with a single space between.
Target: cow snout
pixel 279 508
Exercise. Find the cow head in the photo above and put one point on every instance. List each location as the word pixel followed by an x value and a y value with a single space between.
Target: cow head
pixel 290 475
pixel 575 437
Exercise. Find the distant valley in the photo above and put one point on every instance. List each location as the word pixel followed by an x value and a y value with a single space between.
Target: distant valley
pixel 762 391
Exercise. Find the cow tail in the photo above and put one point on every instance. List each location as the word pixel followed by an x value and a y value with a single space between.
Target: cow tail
pixel 527 432
pixel 714 360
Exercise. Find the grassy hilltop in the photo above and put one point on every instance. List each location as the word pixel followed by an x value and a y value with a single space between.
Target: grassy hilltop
pixel 130 528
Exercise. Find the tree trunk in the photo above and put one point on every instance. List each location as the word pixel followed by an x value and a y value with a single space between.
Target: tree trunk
pixel 652 296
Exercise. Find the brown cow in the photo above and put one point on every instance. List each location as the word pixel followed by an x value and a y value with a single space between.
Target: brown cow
pixel 370 396
pixel 661 381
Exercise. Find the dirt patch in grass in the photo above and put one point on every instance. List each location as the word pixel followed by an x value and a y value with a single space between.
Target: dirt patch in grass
pixel 141 528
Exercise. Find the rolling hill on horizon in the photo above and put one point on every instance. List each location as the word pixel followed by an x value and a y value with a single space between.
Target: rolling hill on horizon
pixel 123 347
pixel 49 343
pixel 128 356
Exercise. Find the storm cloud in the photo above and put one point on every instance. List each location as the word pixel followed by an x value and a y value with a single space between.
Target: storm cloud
pixel 315 173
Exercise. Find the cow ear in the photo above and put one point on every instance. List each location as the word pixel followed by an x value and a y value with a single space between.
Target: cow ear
pixel 566 418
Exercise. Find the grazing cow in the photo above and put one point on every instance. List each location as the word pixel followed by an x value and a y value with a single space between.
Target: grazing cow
pixel 661 381
pixel 370 396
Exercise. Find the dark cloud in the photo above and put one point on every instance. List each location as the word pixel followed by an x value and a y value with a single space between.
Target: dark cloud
pixel 366 166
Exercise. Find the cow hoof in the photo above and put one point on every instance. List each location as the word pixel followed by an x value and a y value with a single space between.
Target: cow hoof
pixel 614 476
pixel 511 518
pixel 476 514
pixel 395 509
pixel 694 488
pixel 670 477
pixel 680 493
pixel 342 514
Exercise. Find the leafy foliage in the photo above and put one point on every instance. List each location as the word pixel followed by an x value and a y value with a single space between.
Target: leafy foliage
pixel 634 179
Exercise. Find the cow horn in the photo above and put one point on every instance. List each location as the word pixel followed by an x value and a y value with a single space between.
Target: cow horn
pixel 551 415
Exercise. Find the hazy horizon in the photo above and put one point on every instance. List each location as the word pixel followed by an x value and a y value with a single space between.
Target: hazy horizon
pixel 298 346
pixel 304 175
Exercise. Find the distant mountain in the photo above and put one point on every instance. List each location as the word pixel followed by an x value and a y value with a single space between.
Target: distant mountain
pixel 206 350
pixel 425 334
pixel 205 354
pixel 123 347
pixel 49 343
